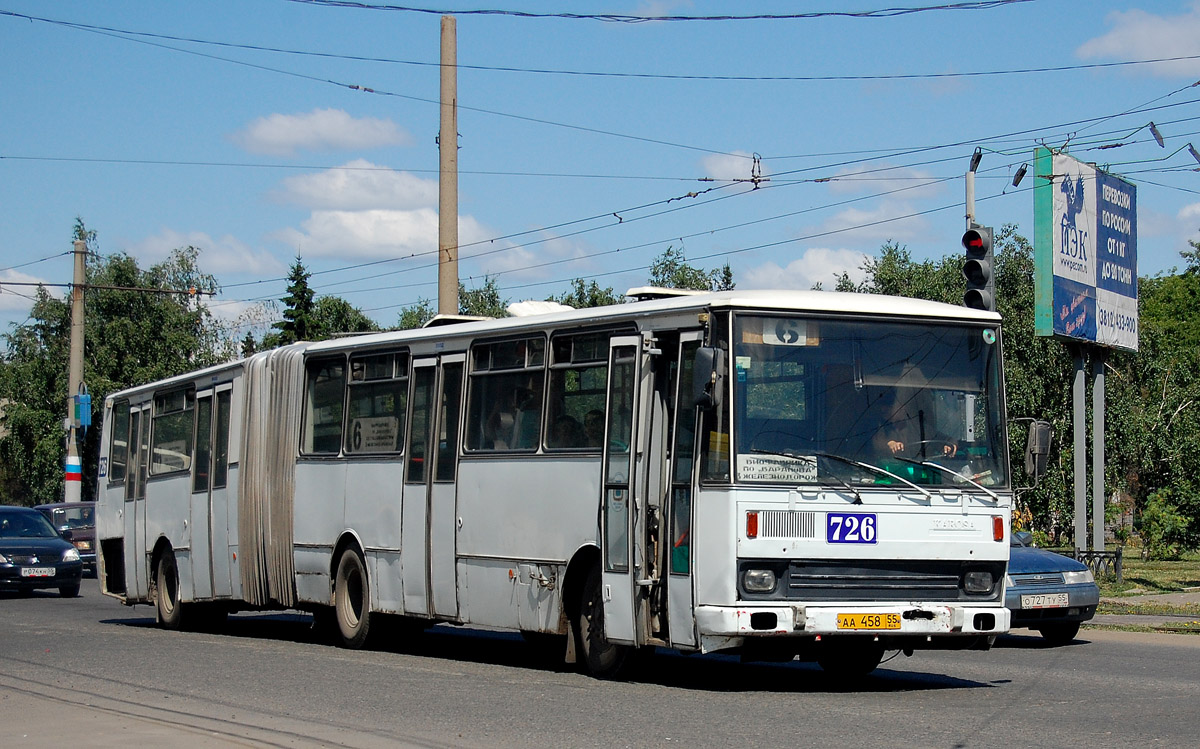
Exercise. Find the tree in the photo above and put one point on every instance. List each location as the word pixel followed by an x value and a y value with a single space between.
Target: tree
pixel 298 308
pixel 416 315
pixel 131 337
pixel 333 316
pixel 671 270
pixel 482 301
pixel 586 295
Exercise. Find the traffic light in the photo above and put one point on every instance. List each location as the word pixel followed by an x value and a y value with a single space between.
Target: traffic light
pixel 978 268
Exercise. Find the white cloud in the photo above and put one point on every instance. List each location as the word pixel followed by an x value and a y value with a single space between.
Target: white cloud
pixel 20 298
pixel 377 233
pixel 882 178
pixel 735 165
pixel 318 130
pixel 359 185
pixel 217 256
pixel 516 261
pixel 816 265
pixel 885 221
pixel 1190 213
pixel 1138 35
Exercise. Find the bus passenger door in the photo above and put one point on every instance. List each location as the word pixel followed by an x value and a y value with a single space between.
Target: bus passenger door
pixel 429 517
pixel 136 567
pixel 680 599
pixel 210 500
pixel 622 516
pixel 200 512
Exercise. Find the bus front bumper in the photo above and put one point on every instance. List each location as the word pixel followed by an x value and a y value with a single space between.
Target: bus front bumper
pixel 904 620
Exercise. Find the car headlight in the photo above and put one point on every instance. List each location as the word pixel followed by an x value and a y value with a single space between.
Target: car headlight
pixel 759 581
pixel 978 581
pixel 1080 577
pixel 71 555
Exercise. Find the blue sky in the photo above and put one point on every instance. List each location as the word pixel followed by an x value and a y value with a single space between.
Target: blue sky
pixel 254 156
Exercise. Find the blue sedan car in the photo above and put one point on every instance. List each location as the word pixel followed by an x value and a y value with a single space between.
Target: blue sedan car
pixel 1048 592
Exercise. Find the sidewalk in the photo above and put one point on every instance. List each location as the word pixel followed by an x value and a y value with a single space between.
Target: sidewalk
pixel 1166 622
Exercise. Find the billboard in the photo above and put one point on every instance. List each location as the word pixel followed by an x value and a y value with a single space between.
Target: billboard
pixel 1085 245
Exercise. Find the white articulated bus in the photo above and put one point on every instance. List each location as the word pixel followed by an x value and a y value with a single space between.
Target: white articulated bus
pixel 785 473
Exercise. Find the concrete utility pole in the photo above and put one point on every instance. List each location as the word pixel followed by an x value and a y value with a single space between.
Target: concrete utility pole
pixel 73 491
pixel 448 183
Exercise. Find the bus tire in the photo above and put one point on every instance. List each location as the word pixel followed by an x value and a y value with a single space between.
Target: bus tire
pixel 352 600
pixel 600 657
pixel 166 592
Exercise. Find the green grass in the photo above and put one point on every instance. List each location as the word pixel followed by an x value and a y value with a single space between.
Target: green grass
pixel 1142 576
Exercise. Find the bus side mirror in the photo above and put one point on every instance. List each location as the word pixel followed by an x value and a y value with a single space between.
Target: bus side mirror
pixel 708 377
pixel 1037 448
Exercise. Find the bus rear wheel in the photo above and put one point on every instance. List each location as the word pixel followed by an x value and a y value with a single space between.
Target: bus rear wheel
pixel 166 592
pixel 602 658
pixel 352 600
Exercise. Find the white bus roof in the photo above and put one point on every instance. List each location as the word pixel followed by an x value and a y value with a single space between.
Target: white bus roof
pixel 820 302
pixel 793 301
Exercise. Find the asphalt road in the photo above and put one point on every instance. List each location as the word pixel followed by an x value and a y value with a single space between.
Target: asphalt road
pixel 89 672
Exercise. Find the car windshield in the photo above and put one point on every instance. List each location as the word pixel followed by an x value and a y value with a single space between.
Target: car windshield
pixel 73 517
pixel 867 402
pixel 24 525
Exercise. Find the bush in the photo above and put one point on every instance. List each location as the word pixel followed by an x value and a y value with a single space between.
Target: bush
pixel 1167 523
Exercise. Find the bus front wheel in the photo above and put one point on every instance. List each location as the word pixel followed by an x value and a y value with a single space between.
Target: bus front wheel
pixel 352 600
pixel 601 657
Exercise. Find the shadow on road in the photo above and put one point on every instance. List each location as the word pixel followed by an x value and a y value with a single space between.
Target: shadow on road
pixel 666 668
pixel 1033 641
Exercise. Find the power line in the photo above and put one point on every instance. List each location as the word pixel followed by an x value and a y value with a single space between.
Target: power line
pixel 35 262
pixel 603 73
pixel 627 18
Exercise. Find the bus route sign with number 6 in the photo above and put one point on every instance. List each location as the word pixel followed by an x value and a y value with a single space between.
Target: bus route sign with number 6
pixel 851 528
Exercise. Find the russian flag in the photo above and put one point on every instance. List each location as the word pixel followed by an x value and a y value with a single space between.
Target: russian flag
pixel 74 469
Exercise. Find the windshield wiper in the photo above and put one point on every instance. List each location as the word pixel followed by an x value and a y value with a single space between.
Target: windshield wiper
pixel 874 469
pixel 956 475
pixel 813 460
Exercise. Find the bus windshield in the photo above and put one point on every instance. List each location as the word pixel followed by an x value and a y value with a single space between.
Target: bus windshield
pixel 867 402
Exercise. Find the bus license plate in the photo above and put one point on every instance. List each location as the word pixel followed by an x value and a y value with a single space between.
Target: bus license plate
pixel 868 621
pixel 1043 600
pixel 37 572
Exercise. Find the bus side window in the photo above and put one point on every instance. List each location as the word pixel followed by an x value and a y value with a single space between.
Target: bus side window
pixel 578 378
pixel 325 396
pixel 118 450
pixel 504 406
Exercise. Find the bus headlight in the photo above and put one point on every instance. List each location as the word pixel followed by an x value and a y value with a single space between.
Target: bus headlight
pixel 758 581
pixel 1078 578
pixel 978 581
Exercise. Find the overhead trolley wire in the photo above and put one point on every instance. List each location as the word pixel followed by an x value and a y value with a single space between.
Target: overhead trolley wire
pixel 632 18
pixel 606 73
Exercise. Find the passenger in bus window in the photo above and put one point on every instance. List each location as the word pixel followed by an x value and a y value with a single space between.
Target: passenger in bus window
pixel 593 427
pixel 567 432
pixel 527 417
